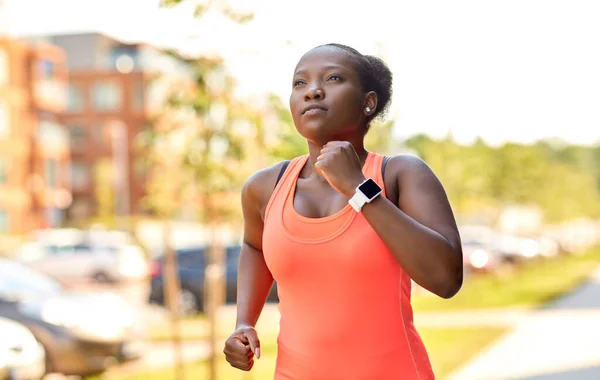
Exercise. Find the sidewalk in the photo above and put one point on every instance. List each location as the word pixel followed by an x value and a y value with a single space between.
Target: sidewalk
pixel 560 342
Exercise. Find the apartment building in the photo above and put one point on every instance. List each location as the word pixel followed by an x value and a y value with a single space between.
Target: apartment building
pixel 34 146
pixel 109 101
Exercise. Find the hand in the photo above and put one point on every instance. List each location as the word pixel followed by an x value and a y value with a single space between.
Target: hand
pixel 241 347
pixel 340 166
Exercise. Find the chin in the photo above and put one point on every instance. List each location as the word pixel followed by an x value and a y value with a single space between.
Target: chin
pixel 314 133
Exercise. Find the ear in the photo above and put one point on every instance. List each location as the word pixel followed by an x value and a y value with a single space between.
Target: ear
pixel 370 103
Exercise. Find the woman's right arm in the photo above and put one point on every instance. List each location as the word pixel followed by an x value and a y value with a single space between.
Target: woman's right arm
pixel 254 278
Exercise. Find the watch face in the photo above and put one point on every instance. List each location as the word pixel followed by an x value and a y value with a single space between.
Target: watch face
pixel 370 188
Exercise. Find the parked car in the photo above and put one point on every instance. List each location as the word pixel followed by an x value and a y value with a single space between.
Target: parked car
pixel 105 256
pixel 23 355
pixel 517 249
pixel 82 334
pixel 480 257
pixel 191 264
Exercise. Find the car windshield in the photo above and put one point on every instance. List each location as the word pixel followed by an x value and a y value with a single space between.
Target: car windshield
pixel 17 281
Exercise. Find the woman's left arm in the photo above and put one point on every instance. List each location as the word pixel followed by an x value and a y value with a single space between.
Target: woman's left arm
pixel 420 230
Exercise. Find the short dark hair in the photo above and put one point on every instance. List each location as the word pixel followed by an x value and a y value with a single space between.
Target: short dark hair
pixel 374 76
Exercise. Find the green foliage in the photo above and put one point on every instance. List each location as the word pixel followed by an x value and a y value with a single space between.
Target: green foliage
pixel 380 139
pixel 289 143
pixel 192 148
pixel 222 6
pixel 561 179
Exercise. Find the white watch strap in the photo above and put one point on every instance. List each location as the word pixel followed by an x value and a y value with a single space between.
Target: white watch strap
pixel 357 201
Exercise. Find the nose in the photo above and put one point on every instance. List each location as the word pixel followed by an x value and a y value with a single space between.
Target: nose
pixel 314 93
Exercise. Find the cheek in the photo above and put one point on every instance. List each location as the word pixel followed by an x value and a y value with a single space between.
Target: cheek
pixel 351 104
pixel 294 107
pixel 350 97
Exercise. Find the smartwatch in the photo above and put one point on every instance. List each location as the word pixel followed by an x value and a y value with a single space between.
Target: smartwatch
pixel 365 193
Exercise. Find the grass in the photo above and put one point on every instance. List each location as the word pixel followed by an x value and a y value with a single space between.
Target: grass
pixel 447 348
pixel 531 285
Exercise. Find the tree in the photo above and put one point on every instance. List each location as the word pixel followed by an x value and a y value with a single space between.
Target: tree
pixel 481 180
pixel 288 142
pixel 196 163
pixel 380 138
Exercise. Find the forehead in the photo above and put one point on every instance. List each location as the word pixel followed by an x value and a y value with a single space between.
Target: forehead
pixel 325 56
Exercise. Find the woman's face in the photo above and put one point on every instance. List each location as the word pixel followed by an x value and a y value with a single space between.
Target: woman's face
pixel 327 101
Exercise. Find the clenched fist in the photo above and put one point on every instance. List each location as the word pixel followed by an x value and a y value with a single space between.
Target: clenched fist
pixel 339 164
pixel 241 347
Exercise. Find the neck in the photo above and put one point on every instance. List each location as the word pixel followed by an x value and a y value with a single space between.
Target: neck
pixel 314 151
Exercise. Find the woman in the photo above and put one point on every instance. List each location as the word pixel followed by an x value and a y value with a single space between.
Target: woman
pixel 343 231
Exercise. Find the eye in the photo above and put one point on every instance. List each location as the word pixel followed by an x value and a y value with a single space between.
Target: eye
pixel 334 78
pixel 299 82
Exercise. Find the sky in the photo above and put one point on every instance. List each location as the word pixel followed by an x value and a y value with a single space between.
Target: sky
pixel 512 70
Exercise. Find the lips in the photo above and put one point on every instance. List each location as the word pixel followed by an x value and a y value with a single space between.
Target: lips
pixel 313 108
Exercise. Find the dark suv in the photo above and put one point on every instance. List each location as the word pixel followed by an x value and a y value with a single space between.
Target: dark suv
pixel 191 264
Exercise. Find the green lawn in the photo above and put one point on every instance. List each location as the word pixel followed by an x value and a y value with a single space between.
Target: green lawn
pixel 447 348
pixel 531 285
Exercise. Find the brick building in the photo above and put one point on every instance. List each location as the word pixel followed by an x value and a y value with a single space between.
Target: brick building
pixel 34 147
pixel 110 98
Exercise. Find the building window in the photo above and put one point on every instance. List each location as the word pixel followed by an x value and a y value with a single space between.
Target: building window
pixel 78 137
pixel 4 121
pixel 47 69
pixel 50 172
pixel 80 176
pixel 76 101
pixel 106 96
pixel 4 75
pixel 4 222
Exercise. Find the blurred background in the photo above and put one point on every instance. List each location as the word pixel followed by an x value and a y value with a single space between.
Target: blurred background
pixel 127 129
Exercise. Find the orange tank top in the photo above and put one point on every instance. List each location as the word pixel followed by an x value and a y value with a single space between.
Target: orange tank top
pixel 344 300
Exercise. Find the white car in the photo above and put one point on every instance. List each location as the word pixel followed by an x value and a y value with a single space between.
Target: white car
pixel 104 256
pixel 21 353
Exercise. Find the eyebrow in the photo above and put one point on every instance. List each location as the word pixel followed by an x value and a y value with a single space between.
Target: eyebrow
pixel 326 68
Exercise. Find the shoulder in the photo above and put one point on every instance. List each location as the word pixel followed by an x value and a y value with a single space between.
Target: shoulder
pixel 260 185
pixel 405 171
pixel 407 164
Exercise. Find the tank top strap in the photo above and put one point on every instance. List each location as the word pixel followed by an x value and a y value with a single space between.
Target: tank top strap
pixel 286 181
pixel 374 170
